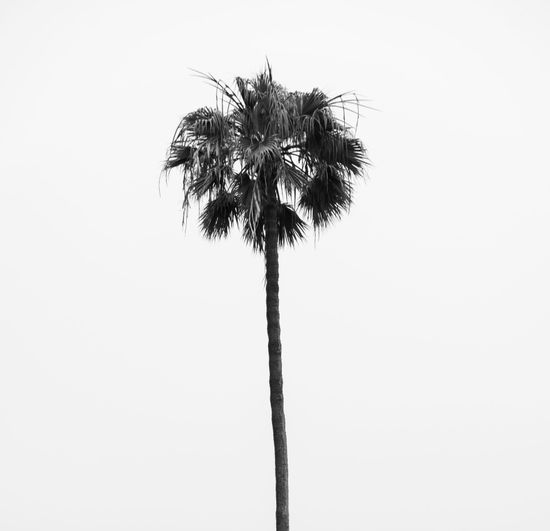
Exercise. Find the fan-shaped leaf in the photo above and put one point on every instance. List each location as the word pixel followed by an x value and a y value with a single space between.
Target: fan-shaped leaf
pixel 219 214
pixel 290 228
pixel 326 197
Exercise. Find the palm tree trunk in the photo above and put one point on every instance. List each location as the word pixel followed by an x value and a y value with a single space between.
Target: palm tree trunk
pixel 275 365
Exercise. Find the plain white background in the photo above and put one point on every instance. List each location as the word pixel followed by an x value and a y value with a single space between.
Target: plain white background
pixel 133 369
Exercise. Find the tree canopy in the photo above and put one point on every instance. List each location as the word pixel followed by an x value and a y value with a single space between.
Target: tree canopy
pixel 262 143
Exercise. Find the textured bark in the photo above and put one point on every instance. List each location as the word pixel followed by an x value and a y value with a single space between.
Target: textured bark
pixel 275 365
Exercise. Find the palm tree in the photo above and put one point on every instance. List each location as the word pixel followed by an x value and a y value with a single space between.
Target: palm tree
pixel 266 160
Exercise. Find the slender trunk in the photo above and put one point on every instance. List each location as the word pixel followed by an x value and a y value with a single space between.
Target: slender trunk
pixel 275 365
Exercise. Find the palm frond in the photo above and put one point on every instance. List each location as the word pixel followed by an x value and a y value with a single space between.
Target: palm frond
pixel 327 196
pixel 253 234
pixel 219 214
pixel 312 102
pixel 221 86
pixel 178 155
pixel 248 96
pixel 291 177
pixel 337 149
pixel 251 194
pixel 207 123
pixel 290 228
pixel 257 151
pixel 208 181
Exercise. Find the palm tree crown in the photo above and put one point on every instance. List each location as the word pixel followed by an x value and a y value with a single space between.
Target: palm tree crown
pixel 262 144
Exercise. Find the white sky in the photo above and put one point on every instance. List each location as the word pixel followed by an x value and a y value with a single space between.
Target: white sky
pixel 133 368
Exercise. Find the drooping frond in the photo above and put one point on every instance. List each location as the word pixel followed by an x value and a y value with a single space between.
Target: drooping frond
pixel 202 148
pixel 290 228
pixel 210 180
pixel 219 215
pixel 326 197
pixel 178 155
pixel 291 176
pixel 251 194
